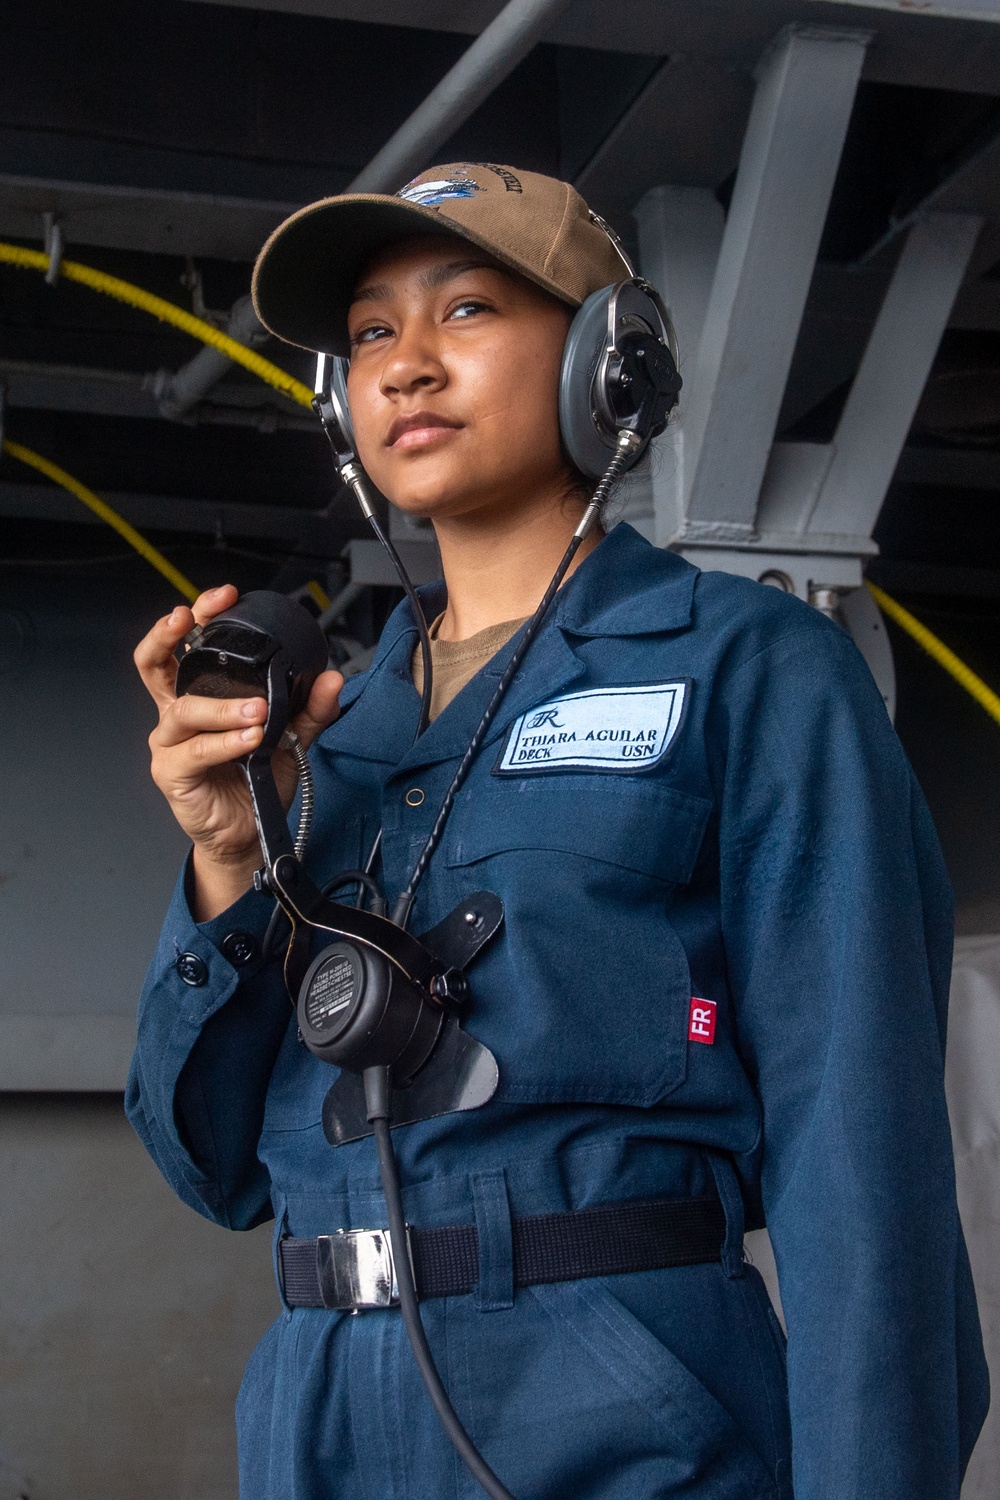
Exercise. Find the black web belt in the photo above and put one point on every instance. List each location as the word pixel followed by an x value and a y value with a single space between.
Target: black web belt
pixel 354 1269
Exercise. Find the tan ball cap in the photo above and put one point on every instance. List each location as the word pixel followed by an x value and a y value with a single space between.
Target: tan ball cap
pixel 305 276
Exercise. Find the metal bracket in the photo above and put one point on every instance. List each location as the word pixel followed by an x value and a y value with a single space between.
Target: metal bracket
pixel 53 246
pixel 465 931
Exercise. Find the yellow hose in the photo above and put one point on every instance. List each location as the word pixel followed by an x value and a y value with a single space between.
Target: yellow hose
pixel 984 696
pixel 318 593
pixel 167 312
pixel 99 507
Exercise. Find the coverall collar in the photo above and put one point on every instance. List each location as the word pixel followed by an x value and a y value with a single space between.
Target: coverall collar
pixel 627 587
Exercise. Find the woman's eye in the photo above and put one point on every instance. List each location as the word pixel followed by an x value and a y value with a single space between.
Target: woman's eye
pixel 468 308
pixel 369 335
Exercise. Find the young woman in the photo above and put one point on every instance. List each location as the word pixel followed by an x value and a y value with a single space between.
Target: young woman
pixel 718 996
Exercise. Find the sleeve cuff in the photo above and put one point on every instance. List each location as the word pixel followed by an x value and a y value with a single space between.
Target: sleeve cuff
pixel 203 962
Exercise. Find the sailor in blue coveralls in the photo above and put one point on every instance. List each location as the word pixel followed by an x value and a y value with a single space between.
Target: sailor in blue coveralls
pixel 723 972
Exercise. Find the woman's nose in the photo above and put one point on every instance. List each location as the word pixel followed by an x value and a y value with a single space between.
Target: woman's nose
pixel 413 363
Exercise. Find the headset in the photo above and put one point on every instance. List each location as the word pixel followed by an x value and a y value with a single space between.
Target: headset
pixel 377 1002
pixel 619 373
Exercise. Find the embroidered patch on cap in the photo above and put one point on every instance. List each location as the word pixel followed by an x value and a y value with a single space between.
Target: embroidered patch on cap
pixel 602 729
pixel 430 194
pixel 701 1021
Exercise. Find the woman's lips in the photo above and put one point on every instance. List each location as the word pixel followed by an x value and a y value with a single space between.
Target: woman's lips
pixel 421 430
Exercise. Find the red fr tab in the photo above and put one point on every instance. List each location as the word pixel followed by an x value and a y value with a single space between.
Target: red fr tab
pixel 701 1021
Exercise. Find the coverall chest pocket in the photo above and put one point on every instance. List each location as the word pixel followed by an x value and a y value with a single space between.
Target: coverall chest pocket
pixel 585 996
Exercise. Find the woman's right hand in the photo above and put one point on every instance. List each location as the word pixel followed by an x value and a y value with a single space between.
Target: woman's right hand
pixel 195 746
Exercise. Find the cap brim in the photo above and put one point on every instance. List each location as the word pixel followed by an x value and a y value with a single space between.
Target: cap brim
pixel 305 276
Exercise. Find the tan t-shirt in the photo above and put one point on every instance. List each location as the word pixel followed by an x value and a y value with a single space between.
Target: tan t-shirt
pixel 454 663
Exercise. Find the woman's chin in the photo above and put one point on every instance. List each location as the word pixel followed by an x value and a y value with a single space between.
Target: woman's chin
pixel 448 491
pixel 430 501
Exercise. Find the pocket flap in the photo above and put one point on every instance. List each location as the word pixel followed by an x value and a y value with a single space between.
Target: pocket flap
pixel 639 825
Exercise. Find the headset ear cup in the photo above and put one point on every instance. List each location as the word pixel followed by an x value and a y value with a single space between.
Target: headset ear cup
pixel 589 450
pixel 619 370
pixel 338 394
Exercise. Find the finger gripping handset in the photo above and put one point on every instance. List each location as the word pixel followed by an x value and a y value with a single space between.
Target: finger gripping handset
pixel 267 645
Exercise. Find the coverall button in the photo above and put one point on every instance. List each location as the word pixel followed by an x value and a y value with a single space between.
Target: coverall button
pixel 192 969
pixel 414 797
pixel 239 948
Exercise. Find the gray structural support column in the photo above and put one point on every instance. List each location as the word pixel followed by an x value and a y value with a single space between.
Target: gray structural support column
pixel 821 501
pixel 893 373
pixel 806 83
pixel 680 231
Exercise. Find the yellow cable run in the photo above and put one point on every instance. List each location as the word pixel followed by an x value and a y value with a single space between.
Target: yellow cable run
pixel 985 696
pixel 99 507
pixel 319 593
pixel 167 312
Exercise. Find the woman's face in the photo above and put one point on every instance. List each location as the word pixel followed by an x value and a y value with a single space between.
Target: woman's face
pixel 454 381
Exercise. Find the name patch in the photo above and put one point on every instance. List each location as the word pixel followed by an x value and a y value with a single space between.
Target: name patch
pixel 601 729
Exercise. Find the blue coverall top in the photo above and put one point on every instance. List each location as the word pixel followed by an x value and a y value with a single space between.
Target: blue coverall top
pixel 775 858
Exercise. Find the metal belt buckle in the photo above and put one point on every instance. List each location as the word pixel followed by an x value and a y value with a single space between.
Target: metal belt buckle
pixel 355 1269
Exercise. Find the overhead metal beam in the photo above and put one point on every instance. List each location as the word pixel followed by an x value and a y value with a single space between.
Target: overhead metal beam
pixel 494 54
pixel 893 373
pixel 805 91
pixel 315 529
pixel 591 25
pixel 145 219
pixel 693 122
pixel 947 44
pixel 127 393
